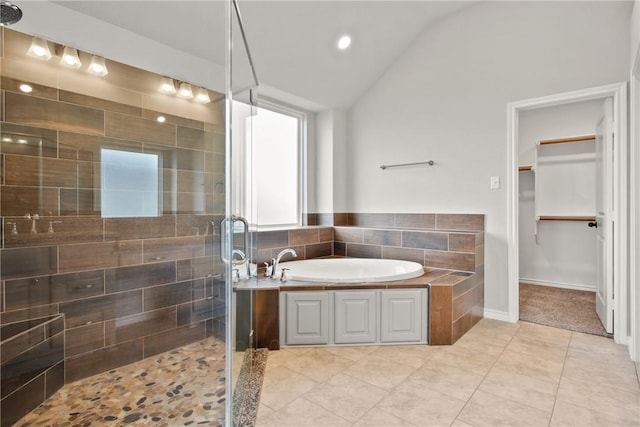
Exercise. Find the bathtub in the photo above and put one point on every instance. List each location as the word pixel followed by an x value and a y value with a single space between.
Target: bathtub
pixel 351 270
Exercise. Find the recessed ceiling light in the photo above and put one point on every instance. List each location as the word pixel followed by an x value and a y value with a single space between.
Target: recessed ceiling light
pixel 344 42
pixel 26 88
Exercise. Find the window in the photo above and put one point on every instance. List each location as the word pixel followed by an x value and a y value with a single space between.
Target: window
pixel 270 169
pixel 129 184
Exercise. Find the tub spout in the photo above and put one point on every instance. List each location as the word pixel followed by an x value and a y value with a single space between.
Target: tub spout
pixel 278 258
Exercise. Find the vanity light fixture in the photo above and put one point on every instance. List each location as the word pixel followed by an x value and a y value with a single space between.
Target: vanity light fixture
pixel 185 91
pixel 70 58
pixel 344 42
pixel 203 96
pixel 25 88
pixel 98 66
pixel 39 48
pixel 167 86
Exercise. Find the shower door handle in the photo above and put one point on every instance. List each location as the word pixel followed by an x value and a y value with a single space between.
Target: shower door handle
pixel 593 224
pixel 226 222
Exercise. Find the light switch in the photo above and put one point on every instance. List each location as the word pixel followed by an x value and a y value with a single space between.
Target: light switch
pixel 494 183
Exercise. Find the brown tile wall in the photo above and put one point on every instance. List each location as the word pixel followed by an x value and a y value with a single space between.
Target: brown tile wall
pixel 129 287
pixel 449 241
pixel 308 242
pixel 32 365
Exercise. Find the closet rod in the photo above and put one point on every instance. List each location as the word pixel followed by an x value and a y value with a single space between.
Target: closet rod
pixel 430 163
pixel 566 218
pixel 572 139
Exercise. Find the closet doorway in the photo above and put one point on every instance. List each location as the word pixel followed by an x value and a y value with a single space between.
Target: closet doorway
pixel 566 210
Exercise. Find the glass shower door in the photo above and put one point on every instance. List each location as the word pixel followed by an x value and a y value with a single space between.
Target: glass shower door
pixel 240 234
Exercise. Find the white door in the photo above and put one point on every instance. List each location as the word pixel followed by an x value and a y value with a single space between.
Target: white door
pixel 604 215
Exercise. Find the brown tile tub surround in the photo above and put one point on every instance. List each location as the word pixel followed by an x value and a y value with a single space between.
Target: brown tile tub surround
pixel 129 287
pixel 450 246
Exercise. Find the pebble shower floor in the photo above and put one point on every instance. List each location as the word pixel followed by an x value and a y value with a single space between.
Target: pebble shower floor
pixel 178 388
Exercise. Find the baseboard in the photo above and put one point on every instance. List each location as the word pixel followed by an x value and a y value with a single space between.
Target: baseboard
pixel 558 285
pixel 503 316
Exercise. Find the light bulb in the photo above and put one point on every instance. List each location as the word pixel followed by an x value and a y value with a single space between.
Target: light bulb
pixel 70 58
pixel 167 86
pixel 344 42
pixel 161 119
pixel 185 91
pixel 26 88
pixel 203 96
pixel 98 66
pixel 39 48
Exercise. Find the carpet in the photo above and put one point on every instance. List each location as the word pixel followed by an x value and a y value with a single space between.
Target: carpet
pixel 560 308
pixel 246 396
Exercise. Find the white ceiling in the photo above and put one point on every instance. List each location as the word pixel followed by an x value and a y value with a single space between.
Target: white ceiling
pixel 292 42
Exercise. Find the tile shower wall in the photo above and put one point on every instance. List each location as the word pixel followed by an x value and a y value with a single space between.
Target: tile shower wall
pixel 128 287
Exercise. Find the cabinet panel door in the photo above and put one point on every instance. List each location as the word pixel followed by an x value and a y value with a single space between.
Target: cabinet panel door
pixel 355 317
pixel 307 318
pixel 401 317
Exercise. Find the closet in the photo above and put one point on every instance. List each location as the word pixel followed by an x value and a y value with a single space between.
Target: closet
pixel 557 195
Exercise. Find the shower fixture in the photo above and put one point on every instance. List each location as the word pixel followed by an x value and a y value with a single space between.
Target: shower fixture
pixel 33 219
pixel 14 228
pixel 9 13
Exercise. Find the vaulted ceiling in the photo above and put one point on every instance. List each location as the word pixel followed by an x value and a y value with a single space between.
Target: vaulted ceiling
pixel 292 42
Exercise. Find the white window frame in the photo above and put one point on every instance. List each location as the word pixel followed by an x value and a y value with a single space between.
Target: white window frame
pixel 242 203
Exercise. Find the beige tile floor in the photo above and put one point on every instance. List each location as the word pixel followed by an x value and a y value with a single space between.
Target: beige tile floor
pixel 498 374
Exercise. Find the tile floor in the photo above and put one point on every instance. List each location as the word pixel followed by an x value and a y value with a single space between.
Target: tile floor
pixel 498 374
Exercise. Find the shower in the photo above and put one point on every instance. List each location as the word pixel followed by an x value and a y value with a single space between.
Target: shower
pixel 9 13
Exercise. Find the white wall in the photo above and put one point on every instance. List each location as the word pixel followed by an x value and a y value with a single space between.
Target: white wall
pixel 330 159
pixel 634 284
pixel 565 252
pixel 445 99
pixel 340 161
pixel 323 160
